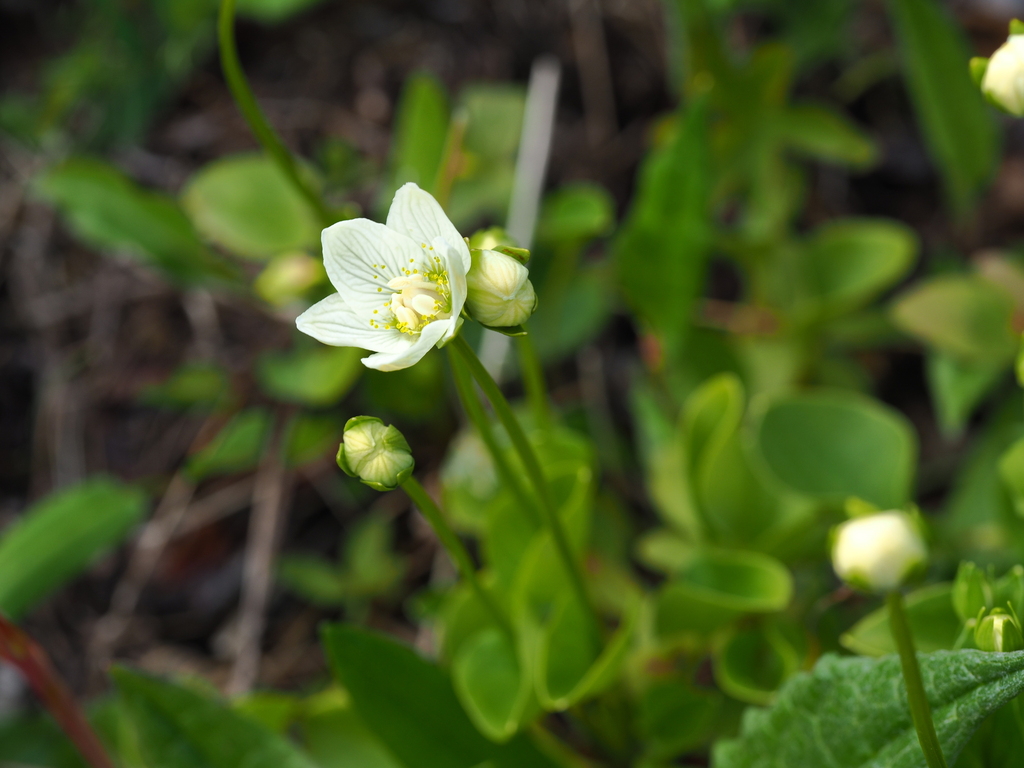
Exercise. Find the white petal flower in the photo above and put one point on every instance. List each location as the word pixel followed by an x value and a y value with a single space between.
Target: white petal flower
pixel 1004 77
pixel 400 286
pixel 878 552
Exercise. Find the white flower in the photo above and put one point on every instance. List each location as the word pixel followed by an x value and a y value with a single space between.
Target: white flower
pixel 1004 77
pixel 500 291
pixel 878 552
pixel 401 286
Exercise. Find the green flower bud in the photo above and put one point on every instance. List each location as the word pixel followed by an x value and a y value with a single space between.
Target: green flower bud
pixel 1003 79
pixel 971 591
pixel 999 632
pixel 376 454
pixel 500 291
pixel 878 553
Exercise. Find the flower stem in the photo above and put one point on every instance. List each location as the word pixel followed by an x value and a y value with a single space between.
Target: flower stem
pixel 254 116
pixel 475 411
pixel 533 381
pixel 31 660
pixel 533 470
pixel 453 544
pixel 920 711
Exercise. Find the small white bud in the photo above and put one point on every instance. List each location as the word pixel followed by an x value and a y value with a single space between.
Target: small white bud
pixel 1003 82
pixel 378 455
pixel 500 291
pixel 877 553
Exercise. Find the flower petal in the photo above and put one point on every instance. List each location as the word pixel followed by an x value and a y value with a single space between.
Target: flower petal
pixel 332 321
pixel 410 355
pixel 418 215
pixel 456 282
pixel 361 256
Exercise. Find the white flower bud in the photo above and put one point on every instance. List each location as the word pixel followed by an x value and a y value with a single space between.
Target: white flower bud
pixel 1004 78
pixel 376 454
pixel 878 552
pixel 500 291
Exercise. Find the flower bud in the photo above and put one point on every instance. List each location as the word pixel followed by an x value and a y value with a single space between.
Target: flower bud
pixel 1003 81
pixel 376 454
pixel 879 552
pixel 500 291
pixel 971 591
pixel 999 632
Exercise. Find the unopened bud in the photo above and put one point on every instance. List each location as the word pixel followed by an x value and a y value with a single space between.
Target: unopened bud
pixel 999 632
pixel 500 291
pixel 377 454
pixel 879 552
pixel 1003 79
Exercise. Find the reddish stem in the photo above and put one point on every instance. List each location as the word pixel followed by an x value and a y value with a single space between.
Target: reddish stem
pixel 31 660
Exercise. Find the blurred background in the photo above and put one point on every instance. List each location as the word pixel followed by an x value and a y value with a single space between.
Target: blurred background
pixel 148 285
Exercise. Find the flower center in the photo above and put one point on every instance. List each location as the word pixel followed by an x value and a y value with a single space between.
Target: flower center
pixel 419 299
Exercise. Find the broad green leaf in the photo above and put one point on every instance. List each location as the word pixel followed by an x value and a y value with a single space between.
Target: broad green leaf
pixel 60 536
pixel 675 717
pixel 179 728
pixel 662 247
pixel 853 713
pixel 933 623
pixel 410 705
pixel 963 315
pixel 848 262
pixel 193 385
pixel 999 742
pixel 958 386
pixel 109 211
pixel 236 448
pixel 717 586
pixel 1011 469
pixel 421 127
pixel 314 579
pixel 493 685
pixel 752 663
pixel 36 741
pixel 246 204
pixel 315 376
pixel 832 445
pixel 575 213
pixel 956 123
pixel 335 737
pixel 826 135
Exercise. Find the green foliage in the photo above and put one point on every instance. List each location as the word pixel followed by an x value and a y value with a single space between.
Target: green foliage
pixel 313 376
pixel 108 211
pixel 178 728
pixel 60 536
pixel 193 385
pixel 845 713
pixel 421 127
pixel 237 447
pixel 933 623
pixel 246 205
pixel 955 120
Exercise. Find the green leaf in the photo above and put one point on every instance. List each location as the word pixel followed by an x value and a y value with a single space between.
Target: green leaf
pixel 954 118
pixel 60 536
pixel 411 707
pixel 963 315
pixel 273 11
pixel 109 211
pixel 933 624
pixel 832 445
pixel 575 213
pixel 826 135
pixel 675 717
pixel 236 448
pixel 490 681
pixel 853 713
pixel 846 263
pixel 717 586
pixel 246 205
pixel 193 385
pixel 1011 470
pixel 663 245
pixel 180 728
pixel 314 579
pixel 315 376
pixel 421 128
pixel 335 737
pixel 752 663
pixel 958 386
pixel 310 437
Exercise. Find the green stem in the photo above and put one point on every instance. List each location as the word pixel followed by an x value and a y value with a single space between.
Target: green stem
pixel 533 381
pixel 457 550
pixel 533 470
pixel 920 712
pixel 475 411
pixel 254 116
